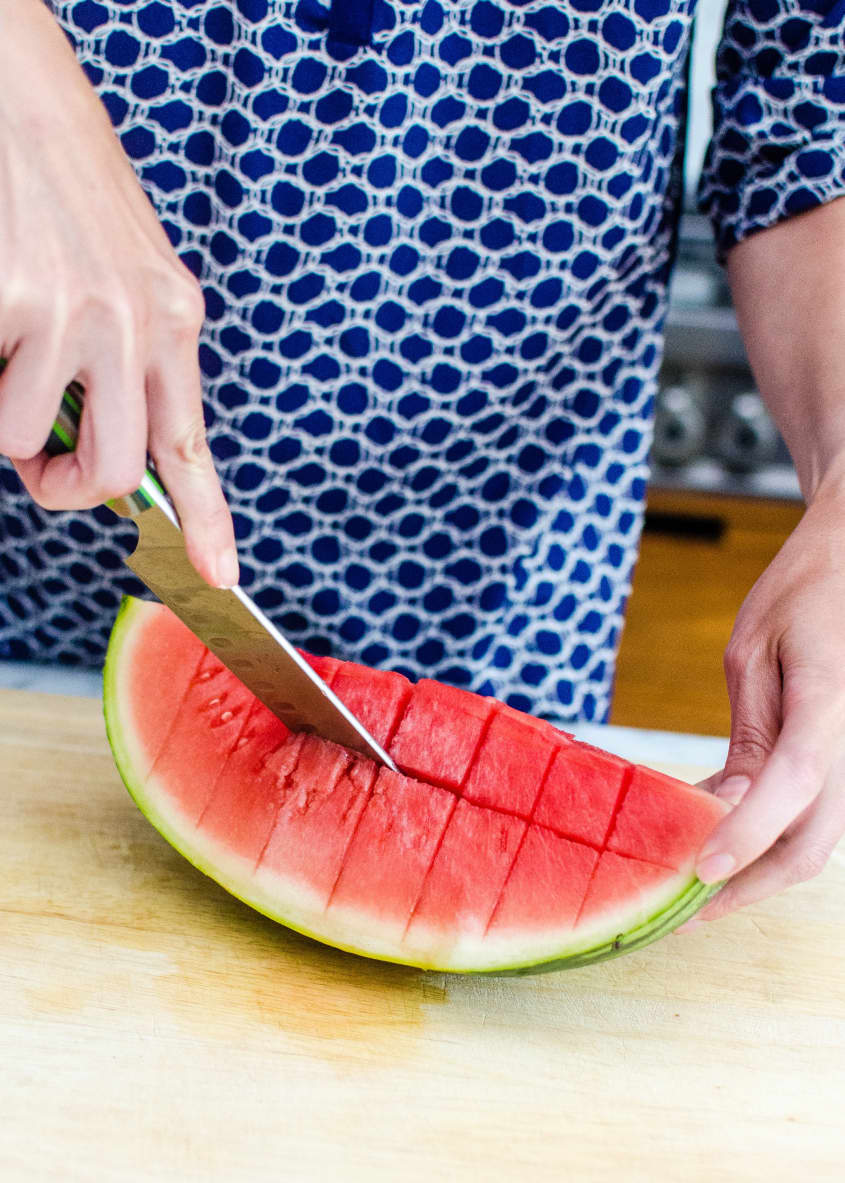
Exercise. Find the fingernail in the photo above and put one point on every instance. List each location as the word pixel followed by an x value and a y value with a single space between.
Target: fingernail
pixel 228 570
pixel 733 788
pixel 714 867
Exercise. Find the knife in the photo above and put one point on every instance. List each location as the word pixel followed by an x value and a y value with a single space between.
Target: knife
pixel 226 620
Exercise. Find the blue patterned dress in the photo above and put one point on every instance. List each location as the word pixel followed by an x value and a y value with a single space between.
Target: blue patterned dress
pixel 434 238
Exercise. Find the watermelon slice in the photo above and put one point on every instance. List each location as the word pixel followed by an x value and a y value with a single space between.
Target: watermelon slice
pixel 504 845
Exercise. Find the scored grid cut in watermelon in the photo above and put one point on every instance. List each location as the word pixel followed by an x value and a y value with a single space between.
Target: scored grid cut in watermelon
pixel 393 854
pixel 243 805
pixel 439 733
pixel 616 879
pixel 662 819
pixel 510 765
pixel 223 703
pixel 376 697
pixel 326 667
pixel 580 793
pixel 546 867
pixel 318 813
pixel 493 838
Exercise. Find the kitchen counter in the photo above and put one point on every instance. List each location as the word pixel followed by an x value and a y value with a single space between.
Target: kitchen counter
pixel 154 1028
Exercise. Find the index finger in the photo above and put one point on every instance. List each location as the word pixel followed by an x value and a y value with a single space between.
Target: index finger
pixel 178 445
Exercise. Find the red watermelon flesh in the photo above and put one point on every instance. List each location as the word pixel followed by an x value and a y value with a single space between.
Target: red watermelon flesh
pixel 512 845
pixel 440 729
pixel 541 726
pixel 324 796
pixel 326 667
pixel 241 810
pixel 581 792
pixel 223 704
pixel 660 819
pixel 376 697
pixel 390 854
pixel 546 867
pixel 165 653
pixel 616 879
pixel 510 767
pixel 493 838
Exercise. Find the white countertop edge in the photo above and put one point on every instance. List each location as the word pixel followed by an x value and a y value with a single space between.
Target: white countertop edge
pixel 46 678
pixel 641 746
pixel 654 747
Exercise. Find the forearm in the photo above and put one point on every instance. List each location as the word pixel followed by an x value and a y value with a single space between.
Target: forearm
pixel 43 88
pixel 788 285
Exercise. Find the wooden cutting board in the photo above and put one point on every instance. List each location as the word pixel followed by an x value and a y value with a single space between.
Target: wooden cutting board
pixel 153 1028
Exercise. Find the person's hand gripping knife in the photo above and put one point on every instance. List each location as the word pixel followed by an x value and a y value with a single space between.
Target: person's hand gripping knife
pixel 92 290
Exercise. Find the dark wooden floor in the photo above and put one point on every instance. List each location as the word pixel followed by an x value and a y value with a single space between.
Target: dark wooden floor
pixel 700 555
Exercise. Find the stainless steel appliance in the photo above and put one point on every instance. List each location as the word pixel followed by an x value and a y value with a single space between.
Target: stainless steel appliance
pixel 712 430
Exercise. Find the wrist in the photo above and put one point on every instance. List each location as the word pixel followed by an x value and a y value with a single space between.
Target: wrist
pixel 818 454
pixel 34 53
pixel 827 480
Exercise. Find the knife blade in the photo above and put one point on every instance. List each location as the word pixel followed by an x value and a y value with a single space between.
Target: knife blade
pixel 226 620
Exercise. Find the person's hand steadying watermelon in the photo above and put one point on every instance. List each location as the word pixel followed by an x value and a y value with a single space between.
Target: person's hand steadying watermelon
pixel 432 243
pixel 785 663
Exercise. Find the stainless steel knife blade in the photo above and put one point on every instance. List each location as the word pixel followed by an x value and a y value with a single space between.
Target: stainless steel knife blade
pixel 232 626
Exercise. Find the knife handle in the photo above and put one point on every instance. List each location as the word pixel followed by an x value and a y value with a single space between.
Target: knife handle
pixel 65 431
pixel 63 437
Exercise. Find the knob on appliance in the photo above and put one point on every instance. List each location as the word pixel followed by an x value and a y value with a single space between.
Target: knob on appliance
pixel 679 426
pixel 746 438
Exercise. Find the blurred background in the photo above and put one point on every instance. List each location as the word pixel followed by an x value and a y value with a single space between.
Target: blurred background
pixel 723 494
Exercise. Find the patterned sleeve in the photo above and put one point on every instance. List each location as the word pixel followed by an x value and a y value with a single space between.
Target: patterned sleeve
pixel 778 145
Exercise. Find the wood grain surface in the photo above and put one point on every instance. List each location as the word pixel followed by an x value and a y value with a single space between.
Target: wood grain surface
pixel 153 1028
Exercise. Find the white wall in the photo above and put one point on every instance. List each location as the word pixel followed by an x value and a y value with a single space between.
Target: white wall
pixel 708 30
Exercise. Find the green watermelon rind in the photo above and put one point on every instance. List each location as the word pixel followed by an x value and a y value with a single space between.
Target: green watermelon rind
pixel 689 900
pixel 682 908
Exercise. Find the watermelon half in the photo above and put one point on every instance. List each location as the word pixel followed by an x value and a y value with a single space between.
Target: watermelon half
pixel 504 845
